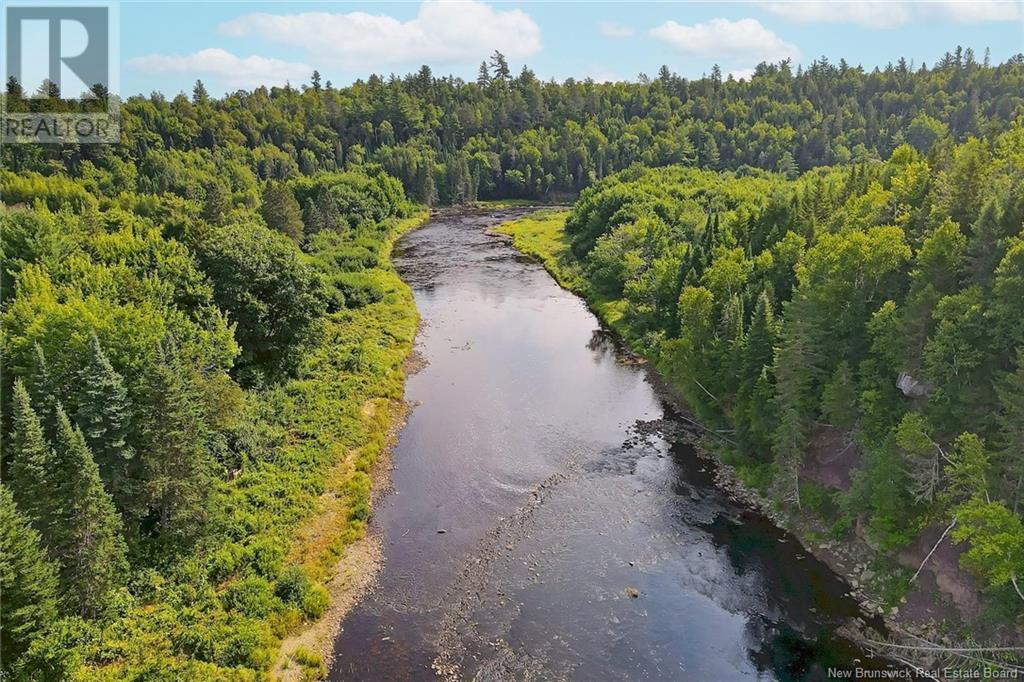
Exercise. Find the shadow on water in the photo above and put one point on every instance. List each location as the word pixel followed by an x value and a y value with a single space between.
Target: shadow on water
pixel 583 539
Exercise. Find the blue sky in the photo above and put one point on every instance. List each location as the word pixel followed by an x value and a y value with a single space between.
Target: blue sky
pixel 166 46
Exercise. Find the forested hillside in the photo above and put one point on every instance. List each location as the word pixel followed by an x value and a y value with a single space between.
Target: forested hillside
pixel 511 135
pixel 874 306
pixel 202 330
pixel 181 384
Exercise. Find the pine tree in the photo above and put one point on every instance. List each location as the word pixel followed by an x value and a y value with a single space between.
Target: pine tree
pixel 983 249
pixel 103 415
pixel 1009 480
pixel 796 366
pixel 216 203
pixel 761 338
pixel 32 462
pixel 483 76
pixel 839 397
pixel 922 456
pixel 281 211
pixel 502 73
pixel 88 544
pixel 175 463
pixel 199 93
pixel 754 397
pixel 43 392
pixel 28 584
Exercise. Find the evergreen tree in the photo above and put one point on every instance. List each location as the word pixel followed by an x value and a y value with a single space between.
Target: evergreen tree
pixel 922 456
pixel 1009 482
pixel 281 211
pixel 502 73
pixel 176 466
pixel 14 89
pixel 199 93
pixel 103 415
pixel 43 391
pixel 32 462
pixel 483 75
pixel 216 203
pixel 754 424
pixel 839 397
pixel 28 584
pixel 88 545
pixel 762 336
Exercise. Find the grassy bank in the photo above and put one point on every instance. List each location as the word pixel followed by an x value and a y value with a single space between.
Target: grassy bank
pixel 330 544
pixel 542 235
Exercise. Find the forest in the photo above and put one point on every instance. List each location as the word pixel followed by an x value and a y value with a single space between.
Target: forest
pixel 877 303
pixel 196 319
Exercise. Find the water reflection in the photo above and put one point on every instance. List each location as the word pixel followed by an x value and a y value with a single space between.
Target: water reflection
pixel 584 539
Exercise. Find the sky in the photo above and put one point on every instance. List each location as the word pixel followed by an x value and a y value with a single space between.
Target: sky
pixel 166 46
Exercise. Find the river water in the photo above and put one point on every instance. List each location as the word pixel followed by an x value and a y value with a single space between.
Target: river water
pixel 583 539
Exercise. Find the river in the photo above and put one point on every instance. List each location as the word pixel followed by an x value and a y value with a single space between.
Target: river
pixel 546 520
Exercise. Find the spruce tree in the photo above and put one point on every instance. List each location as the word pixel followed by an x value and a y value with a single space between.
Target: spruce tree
pixel 32 463
pixel 1009 483
pixel 89 545
pixel 175 463
pixel 43 391
pixel 761 339
pixel 28 584
pixel 103 415
pixel 756 387
pixel 281 211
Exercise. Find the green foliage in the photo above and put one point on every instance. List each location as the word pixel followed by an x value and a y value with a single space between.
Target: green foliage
pixel 88 544
pixel 996 537
pixel 103 415
pixel 777 304
pixel 28 583
pixel 281 211
pixel 32 465
pixel 268 290
pixel 211 301
pixel 176 466
pixel 313 666
pixel 132 328
pixel 839 397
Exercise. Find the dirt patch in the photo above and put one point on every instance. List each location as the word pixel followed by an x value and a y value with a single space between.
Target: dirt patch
pixel 354 575
pixel 415 363
pixel 831 458
pixel 956 584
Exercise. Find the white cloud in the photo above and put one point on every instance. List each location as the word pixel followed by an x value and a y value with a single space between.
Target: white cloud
pixel 866 13
pixel 232 71
pixel 745 38
pixel 891 14
pixel 976 11
pixel 741 74
pixel 443 31
pixel 610 29
pixel 601 74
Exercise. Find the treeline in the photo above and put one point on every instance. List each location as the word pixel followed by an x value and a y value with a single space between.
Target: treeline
pixel 507 135
pixel 878 304
pixel 194 320
pixel 182 371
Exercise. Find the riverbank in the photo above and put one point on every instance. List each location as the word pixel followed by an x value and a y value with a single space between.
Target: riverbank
pixel 533 536
pixel 910 611
pixel 333 543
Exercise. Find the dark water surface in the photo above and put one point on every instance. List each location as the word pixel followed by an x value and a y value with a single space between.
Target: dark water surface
pixel 582 540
